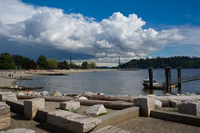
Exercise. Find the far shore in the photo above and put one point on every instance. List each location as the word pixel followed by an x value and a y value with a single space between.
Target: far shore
pixel 10 78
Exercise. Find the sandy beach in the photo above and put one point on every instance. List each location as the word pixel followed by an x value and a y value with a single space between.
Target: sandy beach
pixel 9 78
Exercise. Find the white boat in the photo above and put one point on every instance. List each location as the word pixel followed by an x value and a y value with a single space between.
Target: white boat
pixel 146 82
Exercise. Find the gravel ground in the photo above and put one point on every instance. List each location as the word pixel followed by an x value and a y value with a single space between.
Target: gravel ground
pixel 136 125
pixel 152 125
pixel 18 121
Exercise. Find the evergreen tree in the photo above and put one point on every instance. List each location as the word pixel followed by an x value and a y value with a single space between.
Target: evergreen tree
pixel 173 62
pixel 20 61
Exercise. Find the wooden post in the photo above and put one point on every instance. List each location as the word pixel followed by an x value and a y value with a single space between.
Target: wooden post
pixel 151 77
pixel 179 79
pixel 170 85
pixel 166 78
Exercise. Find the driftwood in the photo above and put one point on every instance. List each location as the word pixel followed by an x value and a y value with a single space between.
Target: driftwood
pixel 110 97
pixel 54 99
pixel 107 104
pixel 166 99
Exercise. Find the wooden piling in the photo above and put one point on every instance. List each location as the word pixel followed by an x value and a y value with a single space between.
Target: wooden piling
pixel 179 78
pixel 151 77
pixel 170 81
pixel 168 78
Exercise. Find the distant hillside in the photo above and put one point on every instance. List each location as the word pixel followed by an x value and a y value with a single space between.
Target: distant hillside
pixel 160 62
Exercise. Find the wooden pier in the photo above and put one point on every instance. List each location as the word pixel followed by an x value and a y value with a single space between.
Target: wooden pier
pixel 171 83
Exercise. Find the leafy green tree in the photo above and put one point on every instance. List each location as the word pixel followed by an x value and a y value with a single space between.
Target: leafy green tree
pixel 31 65
pixel 20 61
pixel 63 65
pixel 6 61
pixel 85 65
pixel 52 64
pixel 42 62
pixel 92 65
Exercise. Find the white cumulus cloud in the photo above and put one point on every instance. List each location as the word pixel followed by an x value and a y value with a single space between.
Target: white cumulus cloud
pixel 43 27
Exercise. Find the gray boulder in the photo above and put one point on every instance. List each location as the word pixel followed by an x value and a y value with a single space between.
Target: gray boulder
pixel 158 104
pixel 44 93
pixel 56 94
pixel 96 110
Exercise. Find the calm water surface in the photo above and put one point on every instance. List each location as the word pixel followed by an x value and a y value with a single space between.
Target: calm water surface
pixel 111 82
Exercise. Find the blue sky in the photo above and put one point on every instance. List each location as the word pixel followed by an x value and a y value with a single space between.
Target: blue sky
pixel 100 30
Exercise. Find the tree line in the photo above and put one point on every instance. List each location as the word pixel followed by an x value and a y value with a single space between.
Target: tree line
pixel 162 62
pixel 8 61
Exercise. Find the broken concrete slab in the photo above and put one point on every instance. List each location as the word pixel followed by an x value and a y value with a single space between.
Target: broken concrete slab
pixel 191 107
pixel 146 104
pixel 174 103
pixel 7 96
pixel 70 105
pixel 4 116
pixel 72 122
pixel 96 110
pixel 31 106
pixel 4 108
pixel 16 106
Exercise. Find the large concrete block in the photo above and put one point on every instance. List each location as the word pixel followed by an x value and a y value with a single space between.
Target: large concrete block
pixel 146 104
pixel 174 103
pixel 16 106
pixel 96 110
pixel 32 105
pixel 189 107
pixel 4 116
pixel 72 122
pixel 4 108
pixel 110 129
pixel 4 123
pixel 7 96
pixel 70 105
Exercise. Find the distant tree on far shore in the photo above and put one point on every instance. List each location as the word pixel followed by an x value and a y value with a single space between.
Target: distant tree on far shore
pixel 63 65
pixel 20 61
pixel 74 66
pixel 31 65
pixel 85 65
pixel 92 65
pixel 42 62
pixel 6 61
pixel 162 62
pixel 52 64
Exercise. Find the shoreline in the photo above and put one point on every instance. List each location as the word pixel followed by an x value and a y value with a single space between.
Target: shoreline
pixel 10 78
